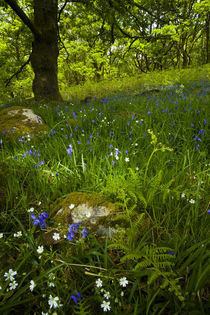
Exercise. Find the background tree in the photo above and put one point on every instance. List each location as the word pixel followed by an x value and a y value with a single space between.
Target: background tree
pixel 98 39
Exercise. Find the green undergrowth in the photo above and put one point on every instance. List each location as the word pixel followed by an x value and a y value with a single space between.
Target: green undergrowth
pixel 148 154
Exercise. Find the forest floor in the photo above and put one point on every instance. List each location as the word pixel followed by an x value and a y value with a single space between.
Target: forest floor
pixel 143 148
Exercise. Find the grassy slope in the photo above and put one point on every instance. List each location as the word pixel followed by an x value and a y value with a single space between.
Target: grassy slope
pixel 167 190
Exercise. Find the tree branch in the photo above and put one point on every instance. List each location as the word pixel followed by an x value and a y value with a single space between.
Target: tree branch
pixel 15 7
pixel 7 82
pixel 61 10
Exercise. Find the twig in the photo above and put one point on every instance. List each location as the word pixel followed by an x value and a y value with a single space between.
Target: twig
pixel 7 82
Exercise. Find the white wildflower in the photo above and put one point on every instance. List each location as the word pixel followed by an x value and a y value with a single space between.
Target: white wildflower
pixel 13 285
pixel 106 306
pixel 53 301
pixel 123 281
pixel 31 210
pixel 56 236
pixel 192 201
pixel 99 283
pixel 18 234
pixel 32 285
pixel 1 235
pixel 40 249
pixel 107 295
pixel 10 275
pixel 51 284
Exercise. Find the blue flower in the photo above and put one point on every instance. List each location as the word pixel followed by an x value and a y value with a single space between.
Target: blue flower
pixel 72 228
pixel 171 253
pixel 73 297
pixel 204 122
pixel 201 132
pixel 75 117
pixel 41 219
pixel 70 150
pixel 84 232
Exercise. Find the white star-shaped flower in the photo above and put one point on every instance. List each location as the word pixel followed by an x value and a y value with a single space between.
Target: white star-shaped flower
pixel 10 275
pixel 40 249
pixel 123 281
pixel 106 306
pixel 99 283
pixel 32 285
pixel 53 301
pixel 56 236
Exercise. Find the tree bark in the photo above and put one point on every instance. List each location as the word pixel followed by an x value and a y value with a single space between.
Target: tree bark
pixel 45 50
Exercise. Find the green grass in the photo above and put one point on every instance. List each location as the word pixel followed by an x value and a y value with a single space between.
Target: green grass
pixel 160 182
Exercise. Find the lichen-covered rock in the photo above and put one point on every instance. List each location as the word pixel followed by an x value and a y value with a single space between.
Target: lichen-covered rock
pixel 16 121
pixel 91 209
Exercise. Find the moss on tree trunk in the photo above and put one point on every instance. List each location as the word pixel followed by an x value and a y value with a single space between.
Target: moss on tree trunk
pixel 45 50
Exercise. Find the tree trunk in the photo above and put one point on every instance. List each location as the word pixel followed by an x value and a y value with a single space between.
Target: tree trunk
pixel 45 50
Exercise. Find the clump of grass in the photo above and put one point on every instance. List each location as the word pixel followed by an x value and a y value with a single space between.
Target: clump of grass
pixel 148 154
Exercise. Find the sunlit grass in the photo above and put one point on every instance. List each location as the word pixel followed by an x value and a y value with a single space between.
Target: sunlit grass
pixel 146 153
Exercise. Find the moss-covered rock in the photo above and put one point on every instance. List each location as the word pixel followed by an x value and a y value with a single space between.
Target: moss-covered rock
pixel 92 209
pixel 16 121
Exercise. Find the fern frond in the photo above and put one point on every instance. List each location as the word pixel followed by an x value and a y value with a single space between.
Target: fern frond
pixel 131 256
pixel 82 308
pixel 138 221
pixel 121 216
pixel 156 274
pixel 119 245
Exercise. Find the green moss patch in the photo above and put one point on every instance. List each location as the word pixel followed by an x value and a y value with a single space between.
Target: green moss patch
pixel 17 120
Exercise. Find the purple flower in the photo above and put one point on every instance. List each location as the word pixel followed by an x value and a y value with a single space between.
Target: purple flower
pixel 41 219
pixel 70 150
pixel 73 297
pixel 171 253
pixel 41 163
pixel 70 236
pixel 197 138
pixel 36 221
pixel 84 232
pixel 72 228
pixel 208 211
pixel 201 132
pixel 75 117
pixel 204 122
